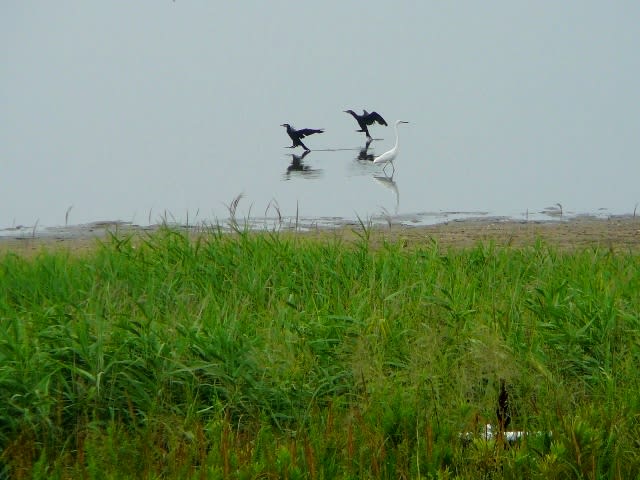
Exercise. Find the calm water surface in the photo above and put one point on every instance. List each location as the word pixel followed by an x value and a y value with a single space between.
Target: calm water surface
pixel 168 111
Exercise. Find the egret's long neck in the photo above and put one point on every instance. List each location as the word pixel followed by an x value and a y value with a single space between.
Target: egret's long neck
pixel 396 145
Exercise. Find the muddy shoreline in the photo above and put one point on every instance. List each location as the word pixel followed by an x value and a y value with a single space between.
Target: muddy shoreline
pixel 621 233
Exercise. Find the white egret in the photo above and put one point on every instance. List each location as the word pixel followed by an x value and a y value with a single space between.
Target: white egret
pixel 387 157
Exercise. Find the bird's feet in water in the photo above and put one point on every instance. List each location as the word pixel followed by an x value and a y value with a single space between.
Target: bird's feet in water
pixel 393 171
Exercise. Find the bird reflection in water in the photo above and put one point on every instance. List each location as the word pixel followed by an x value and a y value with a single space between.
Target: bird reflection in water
pixel 297 167
pixel 364 154
pixel 389 182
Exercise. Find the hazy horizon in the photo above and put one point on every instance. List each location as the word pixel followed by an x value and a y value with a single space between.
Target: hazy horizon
pixel 123 111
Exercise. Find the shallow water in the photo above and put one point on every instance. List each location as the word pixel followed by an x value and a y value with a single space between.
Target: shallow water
pixel 157 116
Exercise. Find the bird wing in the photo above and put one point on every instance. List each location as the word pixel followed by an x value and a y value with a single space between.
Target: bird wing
pixel 375 117
pixel 308 131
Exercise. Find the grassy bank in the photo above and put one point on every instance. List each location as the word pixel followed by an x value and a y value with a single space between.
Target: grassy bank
pixel 271 356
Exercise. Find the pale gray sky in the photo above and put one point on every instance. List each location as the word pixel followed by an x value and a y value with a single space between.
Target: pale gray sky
pixel 121 109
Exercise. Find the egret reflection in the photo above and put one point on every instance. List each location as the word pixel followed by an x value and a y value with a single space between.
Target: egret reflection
pixel 389 182
pixel 297 167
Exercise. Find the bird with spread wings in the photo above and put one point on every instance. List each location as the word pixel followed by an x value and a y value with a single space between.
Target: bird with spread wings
pixel 297 135
pixel 367 118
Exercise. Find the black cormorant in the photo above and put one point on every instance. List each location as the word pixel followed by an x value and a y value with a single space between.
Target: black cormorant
pixel 296 135
pixel 367 119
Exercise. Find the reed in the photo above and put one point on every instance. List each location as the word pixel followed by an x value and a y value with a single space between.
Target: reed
pixel 244 355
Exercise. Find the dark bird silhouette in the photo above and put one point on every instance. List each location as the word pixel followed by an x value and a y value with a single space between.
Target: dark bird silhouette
pixel 502 412
pixel 296 135
pixel 296 163
pixel 367 119
pixel 364 152
pixel 298 167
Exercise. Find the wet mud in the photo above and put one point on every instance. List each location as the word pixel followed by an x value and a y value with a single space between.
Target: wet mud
pixel 616 233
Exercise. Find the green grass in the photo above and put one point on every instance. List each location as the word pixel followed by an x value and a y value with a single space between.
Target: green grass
pixel 272 356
